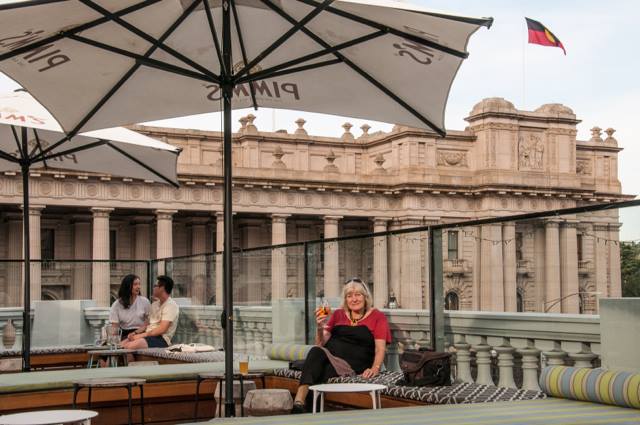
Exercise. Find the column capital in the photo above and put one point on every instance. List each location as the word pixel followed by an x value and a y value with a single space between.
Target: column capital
pixel 34 209
pixel 380 220
pixel 410 221
pixel 101 212
pixel 332 219
pixel 279 218
pixel 165 214
pixel 551 224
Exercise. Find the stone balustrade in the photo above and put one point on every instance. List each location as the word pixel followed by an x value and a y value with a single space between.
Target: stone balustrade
pixel 506 349
pixel 15 315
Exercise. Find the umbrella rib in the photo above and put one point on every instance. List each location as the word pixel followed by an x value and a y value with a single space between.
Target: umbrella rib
pixel 147 37
pixel 38 146
pixel 284 37
pixel 71 151
pixel 266 73
pixel 236 19
pixel 142 164
pixel 153 63
pixel 80 28
pixel 297 69
pixel 214 35
pixel 403 34
pixel 359 70
pixel 126 76
pixel 16 138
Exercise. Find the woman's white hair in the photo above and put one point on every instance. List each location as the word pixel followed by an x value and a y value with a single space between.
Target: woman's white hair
pixel 359 286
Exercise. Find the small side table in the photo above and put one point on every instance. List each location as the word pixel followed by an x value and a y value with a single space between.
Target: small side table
pixel 111 355
pixel 127 383
pixel 50 417
pixel 372 389
pixel 219 376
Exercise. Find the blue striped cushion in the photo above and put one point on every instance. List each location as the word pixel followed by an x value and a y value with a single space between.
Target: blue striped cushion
pixel 596 385
pixel 288 352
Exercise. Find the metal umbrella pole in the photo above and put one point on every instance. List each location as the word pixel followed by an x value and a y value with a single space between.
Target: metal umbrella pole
pixel 227 255
pixel 26 245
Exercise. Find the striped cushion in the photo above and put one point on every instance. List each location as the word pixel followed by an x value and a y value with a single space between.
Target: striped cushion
pixel 288 351
pixel 596 385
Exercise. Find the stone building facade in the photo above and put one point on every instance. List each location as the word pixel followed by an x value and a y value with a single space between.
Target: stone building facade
pixel 297 187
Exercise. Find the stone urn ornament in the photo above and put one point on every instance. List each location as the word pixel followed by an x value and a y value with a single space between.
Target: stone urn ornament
pixel 9 335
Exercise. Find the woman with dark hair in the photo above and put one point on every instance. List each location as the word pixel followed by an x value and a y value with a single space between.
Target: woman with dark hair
pixel 131 310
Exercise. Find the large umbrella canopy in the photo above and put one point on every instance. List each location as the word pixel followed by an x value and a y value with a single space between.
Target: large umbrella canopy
pixel 115 151
pixel 98 63
pixel 27 130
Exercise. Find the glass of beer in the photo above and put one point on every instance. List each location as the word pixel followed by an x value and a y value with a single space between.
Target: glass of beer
pixel 324 309
pixel 243 364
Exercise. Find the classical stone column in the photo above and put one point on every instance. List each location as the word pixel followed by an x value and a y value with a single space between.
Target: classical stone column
pixel 198 263
pixel 491 269
pixel 380 270
pixel 279 256
pixel 569 268
pixel 249 282
pixel 14 269
pixel 164 237
pixel 142 250
pixel 552 292
pixel 411 265
pixel 35 249
pixel 615 285
pixel 600 253
pixel 100 276
pixel 82 251
pixel 219 249
pixel 509 267
pixel 539 257
pixel 394 256
pixel 331 258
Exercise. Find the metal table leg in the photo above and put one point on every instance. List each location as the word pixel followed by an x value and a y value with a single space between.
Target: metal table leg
pixel 195 412
pixel 141 386
pixel 129 392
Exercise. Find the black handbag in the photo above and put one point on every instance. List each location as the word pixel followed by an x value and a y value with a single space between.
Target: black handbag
pixel 424 367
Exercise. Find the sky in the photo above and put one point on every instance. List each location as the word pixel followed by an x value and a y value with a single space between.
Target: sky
pixel 597 78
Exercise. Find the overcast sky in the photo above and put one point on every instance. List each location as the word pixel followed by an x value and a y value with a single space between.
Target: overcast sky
pixel 597 78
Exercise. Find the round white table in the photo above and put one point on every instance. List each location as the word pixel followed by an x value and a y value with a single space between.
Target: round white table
pixel 49 417
pixel 372 389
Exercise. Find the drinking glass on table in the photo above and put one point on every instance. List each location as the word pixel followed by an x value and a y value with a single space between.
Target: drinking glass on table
pixel 243 364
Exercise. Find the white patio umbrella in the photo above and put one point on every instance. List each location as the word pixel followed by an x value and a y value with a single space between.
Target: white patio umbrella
pixel 27 130
pixel 97 64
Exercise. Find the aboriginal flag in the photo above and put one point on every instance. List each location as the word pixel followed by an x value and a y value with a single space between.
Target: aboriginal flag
pixel 539 34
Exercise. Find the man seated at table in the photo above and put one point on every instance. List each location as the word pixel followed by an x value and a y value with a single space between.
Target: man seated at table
pixel 163 319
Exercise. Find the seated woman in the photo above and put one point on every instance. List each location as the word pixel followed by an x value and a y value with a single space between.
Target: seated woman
pixel 353 341
pixel 131 310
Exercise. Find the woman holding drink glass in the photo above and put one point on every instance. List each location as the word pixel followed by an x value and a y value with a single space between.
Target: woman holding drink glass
pixel 352 341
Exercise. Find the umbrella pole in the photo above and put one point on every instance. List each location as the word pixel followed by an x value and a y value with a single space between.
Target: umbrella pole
pixel 26 245
pixel 227 255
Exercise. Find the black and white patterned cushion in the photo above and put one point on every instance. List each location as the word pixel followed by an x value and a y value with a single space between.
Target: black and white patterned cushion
pixel 60 349
pixel 460 393
pixel 202 357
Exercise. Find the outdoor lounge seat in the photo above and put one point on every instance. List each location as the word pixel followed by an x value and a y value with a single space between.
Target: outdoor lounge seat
pixel 461 393
pixel 181 357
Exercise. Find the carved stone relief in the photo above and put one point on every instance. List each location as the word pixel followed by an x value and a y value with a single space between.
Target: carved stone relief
pixel 451 158
pixel 530 152
pixel 583 166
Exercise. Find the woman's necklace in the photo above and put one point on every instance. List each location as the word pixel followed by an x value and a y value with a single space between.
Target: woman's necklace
pixel 354 321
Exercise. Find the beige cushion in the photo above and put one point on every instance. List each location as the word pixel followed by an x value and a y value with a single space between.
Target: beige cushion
pixel 268 402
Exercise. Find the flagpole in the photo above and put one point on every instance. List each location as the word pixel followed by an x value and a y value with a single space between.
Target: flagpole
pixel 524 70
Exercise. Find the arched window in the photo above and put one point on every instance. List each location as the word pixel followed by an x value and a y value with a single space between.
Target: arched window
pixel 519 301
pixel 451 301
pixel 112 297
pixel 48 296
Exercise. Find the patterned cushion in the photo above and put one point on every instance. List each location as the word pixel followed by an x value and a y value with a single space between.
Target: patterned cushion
pixel 288 352
pixel 203 357
pixel 60 349
pixel 462 393
pixel 596 385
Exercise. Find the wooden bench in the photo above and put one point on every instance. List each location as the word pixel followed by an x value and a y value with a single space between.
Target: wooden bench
pixel 169 391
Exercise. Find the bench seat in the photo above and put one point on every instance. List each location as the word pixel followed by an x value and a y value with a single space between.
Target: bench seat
pixel 460 393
